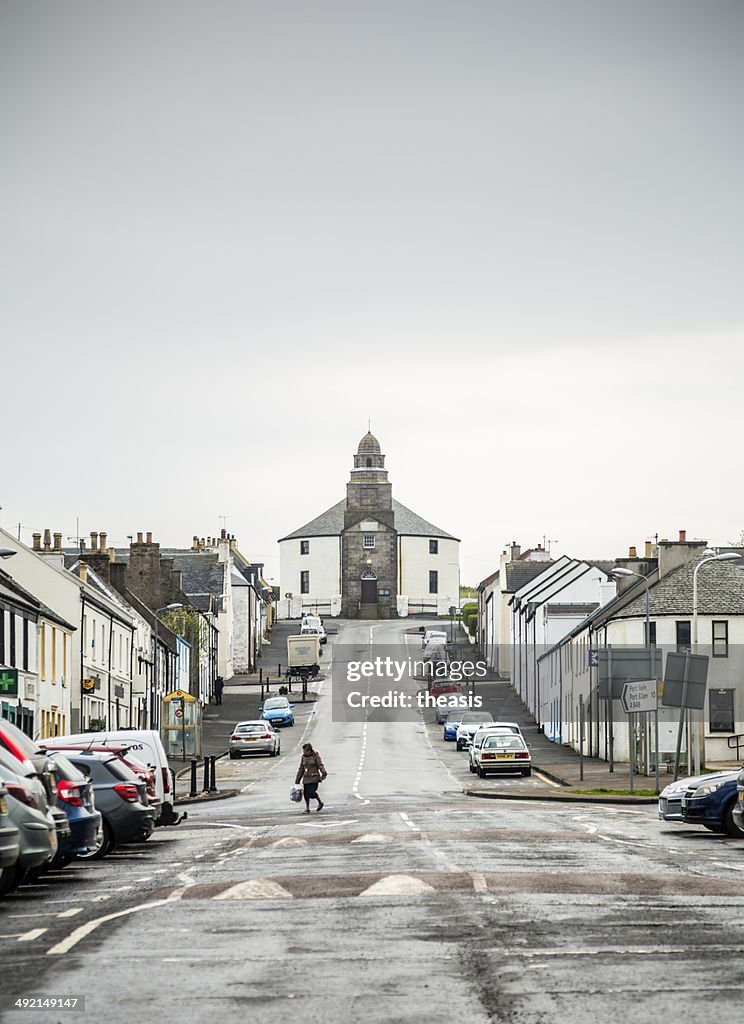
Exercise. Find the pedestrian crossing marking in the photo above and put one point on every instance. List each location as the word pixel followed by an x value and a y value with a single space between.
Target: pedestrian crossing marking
pixel 256 889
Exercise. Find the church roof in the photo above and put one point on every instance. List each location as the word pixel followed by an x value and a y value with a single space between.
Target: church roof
pixel 331 522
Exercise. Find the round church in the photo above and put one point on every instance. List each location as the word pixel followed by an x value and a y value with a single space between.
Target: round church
pixel 368 557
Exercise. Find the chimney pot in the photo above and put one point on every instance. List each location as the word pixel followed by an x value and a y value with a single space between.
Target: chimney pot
pixel 84 572
pixel 103 535
pixel 58 542
pixel 139 538
pixel 37 542
pixel 47 540
pixel 632 552
pixel 149 537
pixel 683 536
pixel 223 534
pixel 93 541
pixel 648 549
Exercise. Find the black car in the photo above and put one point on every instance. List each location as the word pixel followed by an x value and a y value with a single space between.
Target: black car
pixel 120 796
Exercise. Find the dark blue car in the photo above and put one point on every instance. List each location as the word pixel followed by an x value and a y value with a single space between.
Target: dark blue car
pixel 710 801
pixel 75 798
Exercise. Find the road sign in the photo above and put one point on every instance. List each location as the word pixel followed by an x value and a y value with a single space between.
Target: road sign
pixel 685 680
pixel 640 695
pixel 592 658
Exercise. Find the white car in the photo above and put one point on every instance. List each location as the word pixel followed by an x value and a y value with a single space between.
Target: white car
pixel 502 751
pixel 469 725
pixel 318 631
pixel 491 727
pixel 437 636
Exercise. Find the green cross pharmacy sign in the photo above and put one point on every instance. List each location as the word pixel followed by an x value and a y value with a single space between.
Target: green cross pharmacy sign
pixel 8 682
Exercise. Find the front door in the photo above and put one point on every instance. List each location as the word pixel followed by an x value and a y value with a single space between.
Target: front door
pixel 369 591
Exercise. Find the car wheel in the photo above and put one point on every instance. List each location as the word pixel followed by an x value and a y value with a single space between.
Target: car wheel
pixel 730 825
pixel 716 828
pixel 104 844
pixel 526 772
pixel 458 745
pixel 9 878
pixel 234 755
pixel 481 773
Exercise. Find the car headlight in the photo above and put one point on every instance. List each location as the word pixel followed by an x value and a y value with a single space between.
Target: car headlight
pixel 675 789
pixel 706 789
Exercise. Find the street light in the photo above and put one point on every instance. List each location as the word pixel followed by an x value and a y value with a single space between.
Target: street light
pixel 724 556
pixel 457 603
pixel 7 552
pixel 621 571
pixel 154 687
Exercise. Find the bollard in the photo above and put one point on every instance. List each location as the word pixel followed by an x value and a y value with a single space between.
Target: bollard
pixel 289 681
pixel 193 790
pixel 213 774
pixel 206 775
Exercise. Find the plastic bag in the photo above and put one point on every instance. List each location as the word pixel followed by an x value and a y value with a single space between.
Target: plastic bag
pixel 295 794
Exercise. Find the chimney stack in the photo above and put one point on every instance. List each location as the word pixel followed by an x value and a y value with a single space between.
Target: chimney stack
pixel 632 553
pixel 93 541
pixel 648 550
pixel 103 536
pixel 58 542
pixel 683 536
pixel 47 540
pixel 223 534
pixel 37 542
pixel 139 538
pixel 149 537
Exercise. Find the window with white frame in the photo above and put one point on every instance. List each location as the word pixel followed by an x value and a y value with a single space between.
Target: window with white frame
pixel 368 540
pixel 720 639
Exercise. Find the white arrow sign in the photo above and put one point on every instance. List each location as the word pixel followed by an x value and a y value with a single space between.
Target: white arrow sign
pixel 640 695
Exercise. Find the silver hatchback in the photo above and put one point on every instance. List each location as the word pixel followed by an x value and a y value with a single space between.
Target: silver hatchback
pixel 256 737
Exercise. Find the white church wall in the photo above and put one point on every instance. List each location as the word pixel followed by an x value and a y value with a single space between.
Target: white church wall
pixel 416 561
pixel 322 562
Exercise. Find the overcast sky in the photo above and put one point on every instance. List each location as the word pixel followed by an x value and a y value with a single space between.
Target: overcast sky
pixel 509 233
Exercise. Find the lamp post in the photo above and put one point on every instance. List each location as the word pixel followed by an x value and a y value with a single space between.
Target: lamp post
pixel 7 552
pixel 724 556
pixel 621 571
pixel 154 688
pixel 457 602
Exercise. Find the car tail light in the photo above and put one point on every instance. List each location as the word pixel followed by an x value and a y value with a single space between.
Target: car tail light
pixel 487 757
pixel 25 796
pixel 166 780
pixel 266 736
pixel 522 753
pixel 127 791
pixel 235 737
pixel 69 792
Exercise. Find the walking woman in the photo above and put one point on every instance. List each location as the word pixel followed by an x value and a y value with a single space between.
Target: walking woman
pixel 310 773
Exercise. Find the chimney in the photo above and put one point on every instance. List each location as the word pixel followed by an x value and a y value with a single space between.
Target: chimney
pixel 223 534
pixel 139 538
pixel 194 543
pixel 93 541
pixel 648 553
pixel 149 537
pixel 683 536
pixel 47 540
pixel 83 571
pixel 103 542
pixel 514 551
pixel 58 542
pixel 632 553
pixel 37 542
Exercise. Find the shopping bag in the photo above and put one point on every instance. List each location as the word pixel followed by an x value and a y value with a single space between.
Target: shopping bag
pixel 295 794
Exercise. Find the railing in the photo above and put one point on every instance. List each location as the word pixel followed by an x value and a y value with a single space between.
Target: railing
pixel 736 743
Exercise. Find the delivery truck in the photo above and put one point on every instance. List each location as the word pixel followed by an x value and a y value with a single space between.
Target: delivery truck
pixel 303 656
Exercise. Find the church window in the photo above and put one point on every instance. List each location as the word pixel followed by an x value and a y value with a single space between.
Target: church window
pixel 433 547
pixel 305 582
pixel 369 540
pixel 369 461
pixel 433 582
pixel 304 547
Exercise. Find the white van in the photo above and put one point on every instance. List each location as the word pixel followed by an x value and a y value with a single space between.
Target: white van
pixel 147 746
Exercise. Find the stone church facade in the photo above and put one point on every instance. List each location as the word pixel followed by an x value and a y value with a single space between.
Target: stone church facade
pixel 368 557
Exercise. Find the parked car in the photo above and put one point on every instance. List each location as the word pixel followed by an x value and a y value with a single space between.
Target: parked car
pixel 502 751
pixel 278 711
pixel 24 749
pixel 124 752
pixel 470 722
pixel 670 798
pixel 738 812
pixel 450 704
pixel 10 843
pixel 313 624
pixel 120 796
pixel 75 797
pixel 146 745
pixel 257 737
pixel 510 728
pixel 452 722
pixel 711 803
pixel 440 635
pixel 29 812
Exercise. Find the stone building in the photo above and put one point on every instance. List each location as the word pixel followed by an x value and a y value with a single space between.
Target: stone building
pixel 368 556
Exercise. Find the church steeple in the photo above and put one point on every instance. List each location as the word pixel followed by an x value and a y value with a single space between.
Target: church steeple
pixel 368 487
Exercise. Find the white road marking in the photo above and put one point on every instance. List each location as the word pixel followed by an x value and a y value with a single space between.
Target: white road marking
pixel 330 824
pixel 408 821
pixel 398 885
pixel 479 881
pixel 71 912
pixel 84 930
pixel 373 837
pixel 33 934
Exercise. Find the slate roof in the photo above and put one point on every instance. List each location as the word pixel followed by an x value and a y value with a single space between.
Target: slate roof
pixel 331 524
pixel 517 574
pixel 202 573
pixel 720 592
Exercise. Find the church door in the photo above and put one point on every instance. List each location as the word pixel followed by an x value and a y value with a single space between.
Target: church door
pixel 369 588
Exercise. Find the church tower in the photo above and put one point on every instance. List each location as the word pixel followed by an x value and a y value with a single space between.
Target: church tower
pixel 369 560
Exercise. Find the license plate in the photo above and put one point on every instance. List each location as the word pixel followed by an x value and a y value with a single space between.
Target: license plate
pixel 504 755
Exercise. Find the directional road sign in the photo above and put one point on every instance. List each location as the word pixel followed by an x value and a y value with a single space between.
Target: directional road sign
pixel 640 695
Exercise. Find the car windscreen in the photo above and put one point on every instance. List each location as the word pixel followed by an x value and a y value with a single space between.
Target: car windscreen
pixel 476 716
pixel 67 769
pixel 455 716
pixel 503 743
pixel 275 702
